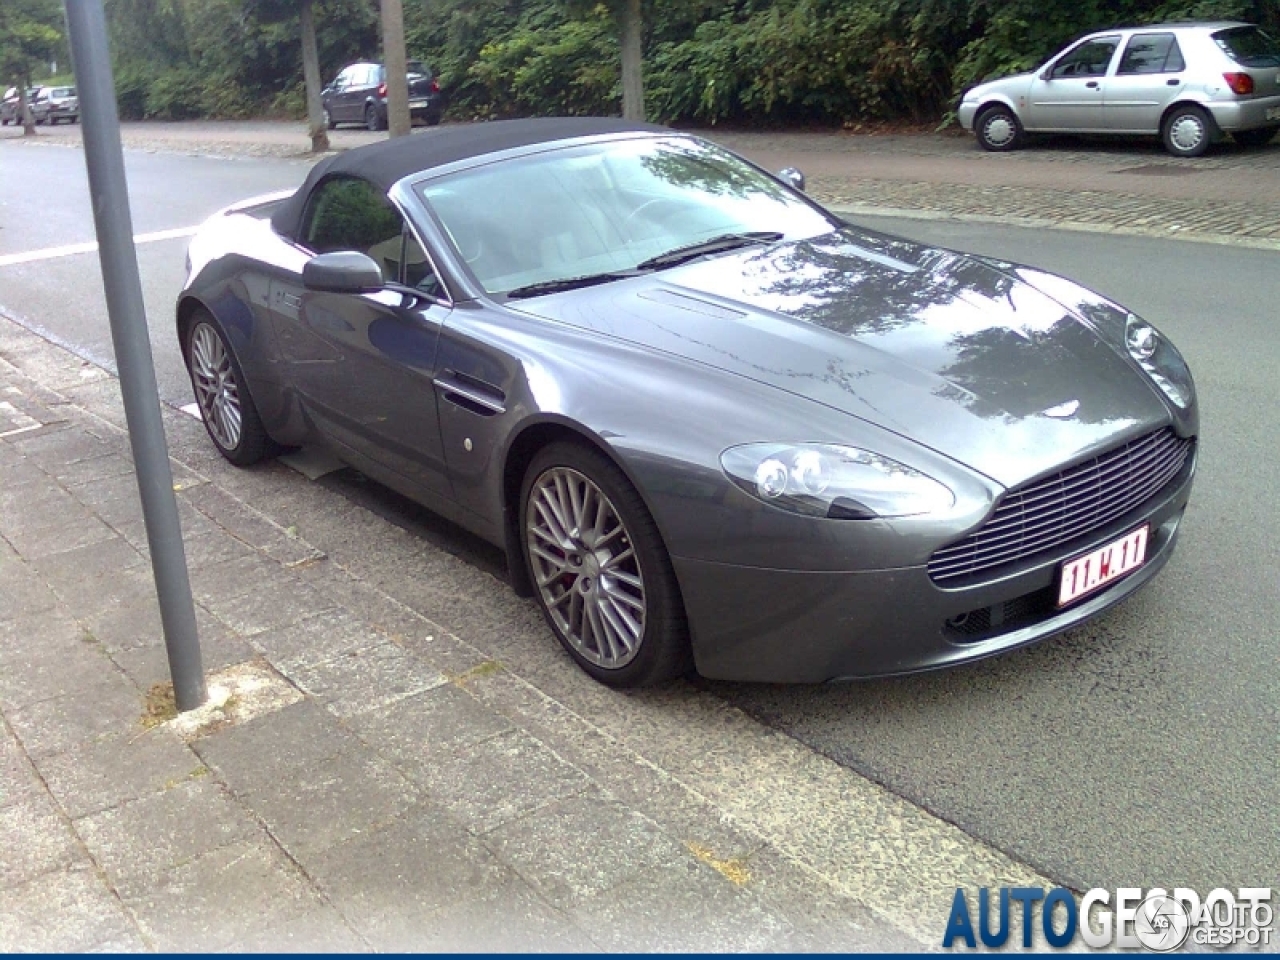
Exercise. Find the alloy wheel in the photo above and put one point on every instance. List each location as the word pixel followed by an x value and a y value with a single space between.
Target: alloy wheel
pixel 585 567
pixel 216 389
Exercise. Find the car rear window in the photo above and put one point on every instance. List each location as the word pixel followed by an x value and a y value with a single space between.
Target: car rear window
pixel 1249 47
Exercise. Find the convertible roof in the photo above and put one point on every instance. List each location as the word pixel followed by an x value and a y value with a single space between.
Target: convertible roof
pixel 391 160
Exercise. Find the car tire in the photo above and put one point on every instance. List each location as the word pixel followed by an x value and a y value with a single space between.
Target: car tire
pixel 433 119
pixel 608 593
pixel 1255 138
pixel 219 387
pixel 328 120
pixel 372 120
pixel 1186 131
pixel 998 130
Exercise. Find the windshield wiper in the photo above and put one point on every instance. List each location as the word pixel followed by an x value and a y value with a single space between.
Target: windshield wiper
pixel 720 244
pixel 569 283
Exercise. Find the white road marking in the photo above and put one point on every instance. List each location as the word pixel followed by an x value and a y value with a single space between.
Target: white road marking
pixel 192 410
pixel 72 249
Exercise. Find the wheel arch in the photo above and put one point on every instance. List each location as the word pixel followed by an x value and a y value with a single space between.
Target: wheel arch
pixel 524 446
pixel 1214 130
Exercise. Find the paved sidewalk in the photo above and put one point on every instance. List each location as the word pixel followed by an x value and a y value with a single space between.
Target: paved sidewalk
pixel 373 780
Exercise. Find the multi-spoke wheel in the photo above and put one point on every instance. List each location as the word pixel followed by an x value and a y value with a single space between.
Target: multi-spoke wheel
pixel 600 571
pixel 225 406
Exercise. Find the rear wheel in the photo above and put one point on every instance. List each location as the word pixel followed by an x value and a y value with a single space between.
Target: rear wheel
pixel 998 129
pixel 600 571
pixel 1254 138
pixel 228 411
pixel 372 120
pixel 1186 131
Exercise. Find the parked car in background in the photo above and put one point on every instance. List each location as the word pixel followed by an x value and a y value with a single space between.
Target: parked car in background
pixel 53 104
pixel 9 105
pixel 359 95
pixel 1188 83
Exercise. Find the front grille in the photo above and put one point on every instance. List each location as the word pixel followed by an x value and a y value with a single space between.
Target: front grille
pixel 1066 506
pixel 1003 617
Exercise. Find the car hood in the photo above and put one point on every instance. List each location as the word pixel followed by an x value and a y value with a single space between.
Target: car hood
pixel 938 347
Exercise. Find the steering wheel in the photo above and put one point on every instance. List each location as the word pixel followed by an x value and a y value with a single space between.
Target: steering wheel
pixel 656 201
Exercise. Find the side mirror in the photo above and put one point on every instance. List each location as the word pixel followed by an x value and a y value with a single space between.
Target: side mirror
pixel 344 271
pixel 792 177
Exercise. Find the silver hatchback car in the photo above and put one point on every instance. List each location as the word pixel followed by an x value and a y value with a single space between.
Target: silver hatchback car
pixel 1188 83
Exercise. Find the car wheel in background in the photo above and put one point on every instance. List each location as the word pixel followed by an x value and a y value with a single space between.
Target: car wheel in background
pixel 998 129
pixel 1255 138
pixel 600 571
pixel 1186 131
pixel 372 120
pixel 225 405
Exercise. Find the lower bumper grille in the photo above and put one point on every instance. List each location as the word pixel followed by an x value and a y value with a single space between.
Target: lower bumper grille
pixel 1064 507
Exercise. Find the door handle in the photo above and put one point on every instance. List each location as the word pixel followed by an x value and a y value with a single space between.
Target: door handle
pixel 1092 84
pixel 1173 81
pixel 471 393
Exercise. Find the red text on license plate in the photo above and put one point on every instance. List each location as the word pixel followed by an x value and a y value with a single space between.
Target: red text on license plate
pixel 1095 570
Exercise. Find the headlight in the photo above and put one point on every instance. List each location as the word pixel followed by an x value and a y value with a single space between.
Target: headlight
pixel 826 480
pixel 1160 359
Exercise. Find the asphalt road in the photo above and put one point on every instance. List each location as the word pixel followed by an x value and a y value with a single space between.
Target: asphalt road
pixel 1139 751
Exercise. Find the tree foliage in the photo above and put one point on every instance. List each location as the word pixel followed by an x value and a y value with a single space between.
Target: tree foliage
pixel 708 61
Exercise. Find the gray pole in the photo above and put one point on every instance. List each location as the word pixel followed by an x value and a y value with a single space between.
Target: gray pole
pixel 86 25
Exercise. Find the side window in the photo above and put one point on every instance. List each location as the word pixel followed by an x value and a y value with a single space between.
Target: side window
pixel 1090 59
pixel 1151 53
pixel 417 269
pixel 346 213
pixel 343 79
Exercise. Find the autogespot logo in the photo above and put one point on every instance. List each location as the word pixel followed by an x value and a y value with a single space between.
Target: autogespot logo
pixel 1156 919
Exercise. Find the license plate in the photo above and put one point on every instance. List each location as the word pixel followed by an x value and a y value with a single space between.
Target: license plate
pixel 1095 570
pixel 417 103
pixel 1273 113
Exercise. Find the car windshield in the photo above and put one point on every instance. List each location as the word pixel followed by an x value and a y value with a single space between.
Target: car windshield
pixel 1249 47
pixel 608 208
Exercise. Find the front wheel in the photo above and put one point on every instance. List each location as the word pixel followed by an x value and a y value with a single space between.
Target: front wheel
pixel 226 408
pixel 1255 138
pixel 1186 132
pixel 600 571
pixel 998 130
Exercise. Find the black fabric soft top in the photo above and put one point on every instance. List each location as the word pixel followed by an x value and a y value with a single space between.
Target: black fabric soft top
pixel 383 164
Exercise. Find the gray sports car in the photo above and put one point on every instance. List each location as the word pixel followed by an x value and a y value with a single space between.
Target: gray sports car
pixel 713 425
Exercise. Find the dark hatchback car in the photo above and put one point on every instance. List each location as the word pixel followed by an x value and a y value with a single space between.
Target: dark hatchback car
pixel 358 94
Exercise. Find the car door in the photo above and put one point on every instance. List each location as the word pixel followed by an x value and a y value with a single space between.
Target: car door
pixel 362 365
pixel 1068 94
pixel 1147 79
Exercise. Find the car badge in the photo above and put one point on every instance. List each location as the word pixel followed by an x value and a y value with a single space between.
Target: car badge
pixel 1063 410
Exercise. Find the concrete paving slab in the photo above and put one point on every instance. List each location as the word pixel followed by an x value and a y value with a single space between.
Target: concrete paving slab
pixel 34 839
pixel 387 883
pixel 582 846
pixel 137 842
pixel 61 912
pixel 366 679
pixel 109 707
pixel 102 774
pixel 475 785
pixel 209 902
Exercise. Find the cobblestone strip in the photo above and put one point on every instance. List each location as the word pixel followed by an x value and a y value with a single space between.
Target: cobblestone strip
pixel 1247 224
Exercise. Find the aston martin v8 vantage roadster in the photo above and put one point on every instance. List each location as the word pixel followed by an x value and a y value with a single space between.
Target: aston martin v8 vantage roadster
pixel 713 425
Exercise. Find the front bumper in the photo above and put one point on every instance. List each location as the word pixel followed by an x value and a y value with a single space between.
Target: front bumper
pixel 966 112
pixel 786 626
pixel 1232 115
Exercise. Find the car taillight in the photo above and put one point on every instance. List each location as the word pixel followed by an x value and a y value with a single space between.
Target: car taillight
pixel 382 89
pixel 435 86
pixel 1240 83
